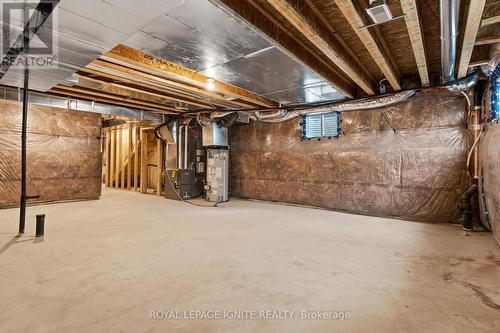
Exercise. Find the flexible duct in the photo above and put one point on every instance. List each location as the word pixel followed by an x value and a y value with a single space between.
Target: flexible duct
pixel 449 13
pixel 364 104
pixel 461 85
pixel 369 103
pixel 464 84
pixel 227 120
pixel 269 116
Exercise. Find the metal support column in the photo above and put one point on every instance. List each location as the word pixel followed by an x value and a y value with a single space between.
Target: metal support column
pixel 26 41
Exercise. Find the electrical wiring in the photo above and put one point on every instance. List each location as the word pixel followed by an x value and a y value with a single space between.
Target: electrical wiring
pixel 186 122
pixel 472 150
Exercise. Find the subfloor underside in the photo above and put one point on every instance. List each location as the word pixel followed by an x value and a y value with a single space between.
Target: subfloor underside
pixel 105 265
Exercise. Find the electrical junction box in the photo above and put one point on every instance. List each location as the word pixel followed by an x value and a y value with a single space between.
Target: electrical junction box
pixel 217 175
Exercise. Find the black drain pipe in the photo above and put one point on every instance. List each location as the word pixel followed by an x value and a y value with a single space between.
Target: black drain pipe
pixel 465 206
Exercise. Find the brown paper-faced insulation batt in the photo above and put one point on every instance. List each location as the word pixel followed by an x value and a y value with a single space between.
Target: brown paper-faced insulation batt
pixel 63 154
pixel 489 150
pixel 417 172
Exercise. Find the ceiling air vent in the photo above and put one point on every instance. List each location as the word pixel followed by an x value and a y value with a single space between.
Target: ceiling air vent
pixel 379 11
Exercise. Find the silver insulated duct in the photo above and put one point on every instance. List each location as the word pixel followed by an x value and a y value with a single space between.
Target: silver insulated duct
pixel 449 13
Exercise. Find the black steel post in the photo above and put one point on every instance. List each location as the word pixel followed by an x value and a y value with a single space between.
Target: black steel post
pixel 26 41
pixel 22 215
pixel 40 225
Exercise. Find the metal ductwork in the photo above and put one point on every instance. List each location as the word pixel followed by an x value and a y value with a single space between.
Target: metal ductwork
pixel 449 14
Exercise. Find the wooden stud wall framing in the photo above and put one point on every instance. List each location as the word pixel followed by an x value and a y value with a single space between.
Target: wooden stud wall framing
pixel 126 159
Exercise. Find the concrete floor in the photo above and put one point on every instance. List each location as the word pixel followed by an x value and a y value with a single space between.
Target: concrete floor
pixel 104 265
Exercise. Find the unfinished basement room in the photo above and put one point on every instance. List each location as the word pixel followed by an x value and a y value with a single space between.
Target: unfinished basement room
pixel 237 166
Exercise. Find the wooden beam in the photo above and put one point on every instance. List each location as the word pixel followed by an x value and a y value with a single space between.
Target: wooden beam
pixel 285 42
pixel 490 21
pixel 91 92
pixel 130 92
pixel 351 14
pixel 159 168
pixel 147 63
pixel 144 161
pixel 85 96
pixel 129 75
pixel 488 40
pixel 353 56
pixel 112 131
pixel 307 28
pixel 344 86
pixel 472 24
pixel 413 25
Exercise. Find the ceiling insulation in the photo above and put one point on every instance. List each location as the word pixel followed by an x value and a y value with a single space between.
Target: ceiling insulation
pixel 84 31
pixel 195 34
pixel 200 36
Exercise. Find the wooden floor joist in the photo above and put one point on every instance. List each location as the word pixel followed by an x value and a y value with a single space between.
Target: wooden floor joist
pixel 472 25
pixel 130 92
pixel 490 21
pixel 342 83
pixel 479 63
pixel 144 62
pixel 353 56
pixel 334 53
pixel 488 40
pixel 105 98
pixel 121 72
pixel 413 25
pixel 349 11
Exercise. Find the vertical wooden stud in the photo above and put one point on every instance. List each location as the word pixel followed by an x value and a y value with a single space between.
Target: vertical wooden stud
pixel 136 157
pixel 159 168
pixel 107 156
pixel 129 158
pixel 123 158
pixel 118 156
pixel 144 161
pixel 112 156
